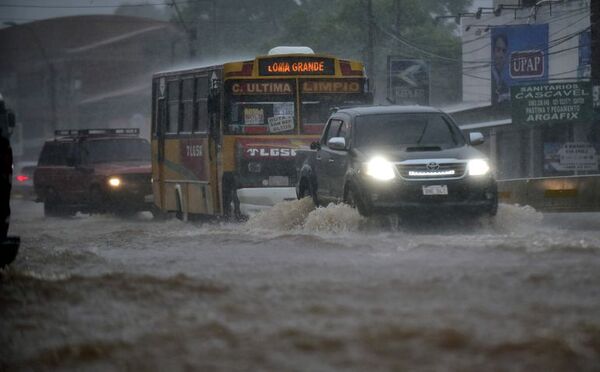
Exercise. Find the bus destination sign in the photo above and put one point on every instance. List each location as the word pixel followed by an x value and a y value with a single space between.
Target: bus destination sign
pixel 309 65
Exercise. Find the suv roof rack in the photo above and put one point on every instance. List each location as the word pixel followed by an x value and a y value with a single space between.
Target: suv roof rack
pixel 96 132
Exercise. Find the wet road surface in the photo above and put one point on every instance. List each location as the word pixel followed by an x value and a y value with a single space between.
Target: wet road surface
pixel 296 289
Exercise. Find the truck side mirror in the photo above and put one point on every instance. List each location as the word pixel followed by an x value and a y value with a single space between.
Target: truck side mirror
pixel 337 143
pixel 476 138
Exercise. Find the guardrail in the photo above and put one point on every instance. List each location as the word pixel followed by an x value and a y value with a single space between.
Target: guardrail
pixel 553 194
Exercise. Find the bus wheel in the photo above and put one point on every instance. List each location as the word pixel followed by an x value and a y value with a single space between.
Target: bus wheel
pixel 179 213
pixel 158 214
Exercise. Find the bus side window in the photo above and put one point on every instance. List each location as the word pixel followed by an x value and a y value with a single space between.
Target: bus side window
pixel 161 117
pixel 201 105
pixel 187 104
pixel 173 97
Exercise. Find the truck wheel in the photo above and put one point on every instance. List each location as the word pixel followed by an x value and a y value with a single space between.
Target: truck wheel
pixel 354 200
pixel 307 190
pixel 97 201
pixel 494 209
pixel 53 207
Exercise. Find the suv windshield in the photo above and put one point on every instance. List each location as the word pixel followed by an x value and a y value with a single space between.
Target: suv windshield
pixel 114 150
pixel 407 130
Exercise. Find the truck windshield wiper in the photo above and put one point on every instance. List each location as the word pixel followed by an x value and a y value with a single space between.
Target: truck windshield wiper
pixel 422 134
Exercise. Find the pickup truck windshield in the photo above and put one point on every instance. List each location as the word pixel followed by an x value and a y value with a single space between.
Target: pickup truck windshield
pixel 407 131
pixel 115 150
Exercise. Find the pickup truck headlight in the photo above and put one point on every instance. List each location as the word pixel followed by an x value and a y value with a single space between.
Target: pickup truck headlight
pixel 380 169
pixel 478 167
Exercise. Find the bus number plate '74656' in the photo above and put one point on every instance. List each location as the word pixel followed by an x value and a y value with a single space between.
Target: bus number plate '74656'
pixel 193 151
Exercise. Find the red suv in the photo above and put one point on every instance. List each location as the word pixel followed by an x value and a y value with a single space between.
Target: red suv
pixel 94 170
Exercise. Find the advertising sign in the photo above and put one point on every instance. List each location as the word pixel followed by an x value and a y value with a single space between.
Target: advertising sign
pixel 519 55
pixel 552 103
pixel 329 86
pixel 280 123
pixel 266 87
pixel 570 156
pixel 408 81
pixel 263 149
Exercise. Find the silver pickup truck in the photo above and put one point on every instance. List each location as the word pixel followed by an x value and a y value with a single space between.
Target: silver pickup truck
pixel 394 159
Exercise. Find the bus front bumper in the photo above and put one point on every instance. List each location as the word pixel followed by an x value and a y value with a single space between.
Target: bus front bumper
pixel 254 200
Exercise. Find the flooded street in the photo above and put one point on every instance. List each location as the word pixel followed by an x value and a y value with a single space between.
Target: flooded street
pixel 296 289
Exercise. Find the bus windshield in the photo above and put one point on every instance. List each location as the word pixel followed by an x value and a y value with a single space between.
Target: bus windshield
pixel 316 109
pixel 249 115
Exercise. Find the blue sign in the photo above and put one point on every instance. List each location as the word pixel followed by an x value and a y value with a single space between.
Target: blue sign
pixel 519 55
pixel 584 68
pixel 408 81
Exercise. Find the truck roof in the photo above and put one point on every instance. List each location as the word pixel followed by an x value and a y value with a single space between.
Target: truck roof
pixel 66 135
pixel 395 109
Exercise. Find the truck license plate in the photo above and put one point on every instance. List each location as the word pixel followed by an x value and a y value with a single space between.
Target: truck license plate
pixel 435 190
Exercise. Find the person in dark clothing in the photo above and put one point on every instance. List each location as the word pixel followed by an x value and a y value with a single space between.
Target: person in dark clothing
pixel 6 161
pixel 500 86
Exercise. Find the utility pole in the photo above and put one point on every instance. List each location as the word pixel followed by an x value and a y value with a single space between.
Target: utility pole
pixel 595 47
pixel 190 33
pixel 214 25
pixel 370 45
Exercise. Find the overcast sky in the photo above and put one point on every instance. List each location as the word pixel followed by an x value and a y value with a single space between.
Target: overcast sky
pixel 20 11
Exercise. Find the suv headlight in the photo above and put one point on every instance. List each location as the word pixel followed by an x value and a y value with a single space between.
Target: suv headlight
pixel 478 167
pixel 380 169
pixel 114 182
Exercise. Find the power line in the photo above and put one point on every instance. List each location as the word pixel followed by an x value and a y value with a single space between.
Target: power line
pixel 552 34
pixel 162 3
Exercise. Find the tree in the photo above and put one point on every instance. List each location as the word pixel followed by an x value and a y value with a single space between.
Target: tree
pixel 135 10
pixel 239 28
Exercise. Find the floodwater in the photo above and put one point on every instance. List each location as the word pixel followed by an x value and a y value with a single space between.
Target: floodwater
pixel 297 289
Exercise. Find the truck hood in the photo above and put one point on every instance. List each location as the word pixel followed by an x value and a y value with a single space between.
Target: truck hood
pixel 126 167
pixel 397 155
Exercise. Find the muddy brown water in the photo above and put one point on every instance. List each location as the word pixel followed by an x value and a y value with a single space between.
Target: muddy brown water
pixel 297 289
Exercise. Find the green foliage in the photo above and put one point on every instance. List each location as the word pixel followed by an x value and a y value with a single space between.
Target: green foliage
pixel 329 26
pixel 235 28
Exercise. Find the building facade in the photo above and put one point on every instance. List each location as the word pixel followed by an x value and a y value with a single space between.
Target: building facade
pixel 83 72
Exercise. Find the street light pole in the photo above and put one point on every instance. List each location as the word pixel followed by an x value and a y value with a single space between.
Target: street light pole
pixel 595 48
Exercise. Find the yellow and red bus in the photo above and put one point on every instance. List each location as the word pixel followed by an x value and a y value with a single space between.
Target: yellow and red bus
pixel 227 134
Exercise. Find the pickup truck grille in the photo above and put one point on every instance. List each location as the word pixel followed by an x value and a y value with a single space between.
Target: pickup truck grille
pixel 429 171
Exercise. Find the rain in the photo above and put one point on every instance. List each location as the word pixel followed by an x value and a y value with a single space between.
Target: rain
pixel 300 185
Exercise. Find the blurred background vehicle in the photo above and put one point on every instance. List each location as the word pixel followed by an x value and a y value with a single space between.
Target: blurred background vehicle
pixel 22 185
pixel 94 171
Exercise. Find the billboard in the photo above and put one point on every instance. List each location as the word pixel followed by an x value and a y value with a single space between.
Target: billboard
pixel 519 55
pixel 552 103
pixel 408 81
pixel 570 157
